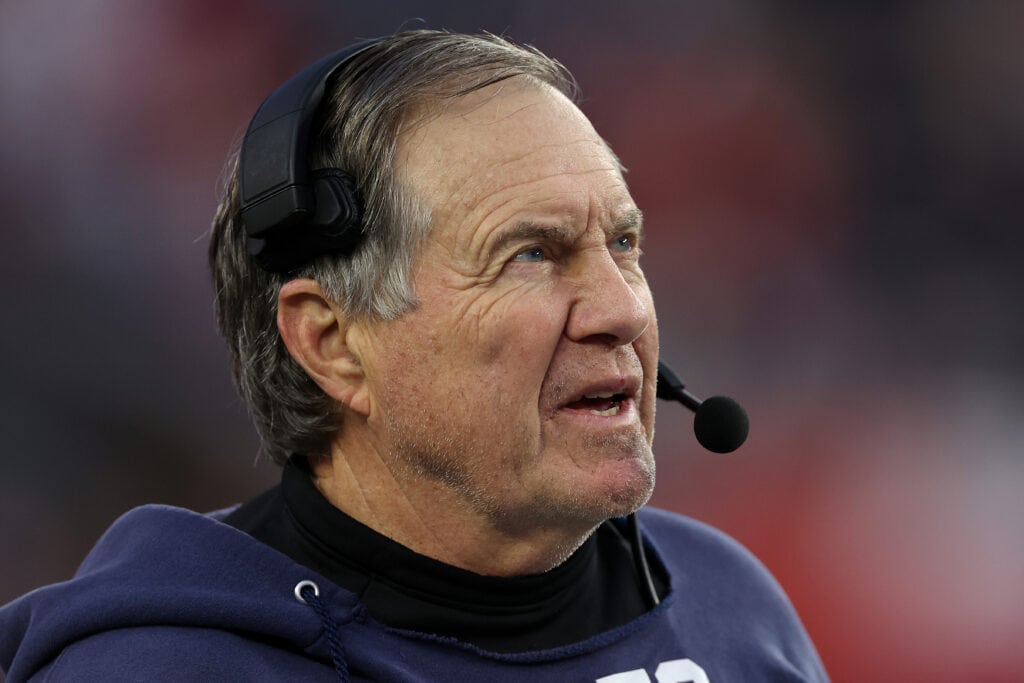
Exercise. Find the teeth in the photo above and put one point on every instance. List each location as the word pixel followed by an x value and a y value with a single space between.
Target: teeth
pixel 614 410
pixel 601 394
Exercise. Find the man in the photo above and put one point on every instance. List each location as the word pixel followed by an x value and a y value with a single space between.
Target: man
pixel 462 396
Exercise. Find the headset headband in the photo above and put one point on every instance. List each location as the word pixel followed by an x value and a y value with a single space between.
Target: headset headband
pixel 291 214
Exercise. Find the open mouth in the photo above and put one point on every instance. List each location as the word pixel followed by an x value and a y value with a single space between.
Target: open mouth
pixel 602 404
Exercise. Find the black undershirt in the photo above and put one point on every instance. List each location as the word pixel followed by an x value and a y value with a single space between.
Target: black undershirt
pixel 593 591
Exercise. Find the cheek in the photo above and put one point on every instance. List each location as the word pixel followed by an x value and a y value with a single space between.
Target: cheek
pixel 476 353
pixel 516 328
pixel 534 328
pixel 516 345
pixel 647 350
pixel 647 344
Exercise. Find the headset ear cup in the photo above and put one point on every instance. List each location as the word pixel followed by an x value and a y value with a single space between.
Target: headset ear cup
pixel 339 208
pixel 334 227
pixel 278 193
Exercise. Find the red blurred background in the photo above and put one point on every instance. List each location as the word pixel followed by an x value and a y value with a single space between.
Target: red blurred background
pixel 832 199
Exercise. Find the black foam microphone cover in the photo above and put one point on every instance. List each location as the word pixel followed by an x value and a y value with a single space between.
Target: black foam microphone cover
pixel 720 424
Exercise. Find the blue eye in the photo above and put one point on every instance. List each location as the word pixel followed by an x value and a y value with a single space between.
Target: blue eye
pixel 531 255
pixel 621 244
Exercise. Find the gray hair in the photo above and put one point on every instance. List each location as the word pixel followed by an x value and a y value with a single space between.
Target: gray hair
pixel 368 102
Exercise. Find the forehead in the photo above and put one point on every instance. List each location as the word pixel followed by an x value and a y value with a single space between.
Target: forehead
pixel 517 150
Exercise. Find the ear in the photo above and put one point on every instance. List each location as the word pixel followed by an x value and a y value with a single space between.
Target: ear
pixel 316 333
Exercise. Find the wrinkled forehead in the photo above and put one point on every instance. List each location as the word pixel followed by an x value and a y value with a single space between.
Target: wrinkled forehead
pixel 513 145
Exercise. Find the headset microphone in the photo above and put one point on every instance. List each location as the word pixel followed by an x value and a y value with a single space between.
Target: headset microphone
pixel 720 424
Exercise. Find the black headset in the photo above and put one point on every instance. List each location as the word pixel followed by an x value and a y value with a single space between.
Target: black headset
pixel 292 214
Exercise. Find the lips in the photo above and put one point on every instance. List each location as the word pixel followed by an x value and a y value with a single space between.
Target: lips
pixel 603 404
pixel 604 398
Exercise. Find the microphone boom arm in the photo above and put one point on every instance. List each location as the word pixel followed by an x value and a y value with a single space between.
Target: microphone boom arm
pixel 671 388
pixel 719 423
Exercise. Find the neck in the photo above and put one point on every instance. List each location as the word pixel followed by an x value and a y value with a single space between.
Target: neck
pixel 434 519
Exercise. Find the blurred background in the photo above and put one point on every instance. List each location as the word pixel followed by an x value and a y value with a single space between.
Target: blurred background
pixel 832 195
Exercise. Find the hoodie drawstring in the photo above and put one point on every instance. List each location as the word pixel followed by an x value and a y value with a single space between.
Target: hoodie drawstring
pixel 308 593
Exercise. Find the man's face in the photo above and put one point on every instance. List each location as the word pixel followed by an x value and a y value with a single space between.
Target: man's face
pixel 523 383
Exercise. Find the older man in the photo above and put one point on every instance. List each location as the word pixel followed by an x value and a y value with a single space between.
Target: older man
pixel 446 338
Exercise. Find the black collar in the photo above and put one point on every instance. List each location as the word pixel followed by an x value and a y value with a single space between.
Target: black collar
pixel 591 592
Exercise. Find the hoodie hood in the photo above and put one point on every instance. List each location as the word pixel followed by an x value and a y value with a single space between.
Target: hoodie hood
pixel 159 565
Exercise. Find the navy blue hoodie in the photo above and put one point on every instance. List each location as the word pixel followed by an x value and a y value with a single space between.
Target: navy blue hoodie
pixel 169 594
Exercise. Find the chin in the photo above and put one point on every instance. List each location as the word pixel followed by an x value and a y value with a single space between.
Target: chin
pixel 630 497
pixel 620 491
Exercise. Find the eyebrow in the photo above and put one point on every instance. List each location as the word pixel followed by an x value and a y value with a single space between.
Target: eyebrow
pixel 527 231
pixel 631 220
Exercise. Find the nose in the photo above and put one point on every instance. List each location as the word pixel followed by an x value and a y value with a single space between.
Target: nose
pixel 612 306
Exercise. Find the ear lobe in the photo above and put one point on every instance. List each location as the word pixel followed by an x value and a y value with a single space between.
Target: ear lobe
pixel 315 332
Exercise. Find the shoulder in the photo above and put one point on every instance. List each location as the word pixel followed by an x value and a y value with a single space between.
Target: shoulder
pixel 161 583
pixel 162 652
pixel 716 582
pixel 701 559
pixel 693 547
